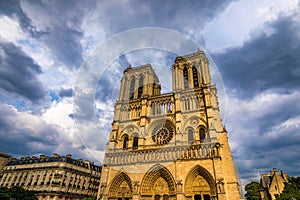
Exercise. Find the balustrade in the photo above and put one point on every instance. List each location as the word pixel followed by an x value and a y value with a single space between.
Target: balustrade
pixel 203 151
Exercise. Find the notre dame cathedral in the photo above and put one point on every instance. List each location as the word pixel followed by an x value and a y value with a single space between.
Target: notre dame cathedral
pixel 168 146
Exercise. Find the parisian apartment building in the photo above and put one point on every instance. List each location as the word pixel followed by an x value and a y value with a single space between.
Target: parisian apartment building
pixel 53 177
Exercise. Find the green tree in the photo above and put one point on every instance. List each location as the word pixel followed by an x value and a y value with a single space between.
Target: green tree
pixel 4 193
pixel 291 189
pixel 16 193
pixel 89 198
pixel 252 191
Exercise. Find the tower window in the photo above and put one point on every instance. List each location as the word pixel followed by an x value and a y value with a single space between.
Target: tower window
pixel 202 134
pixel 140 89
pixel 125 142
pixel 195 77
pixel 185 78
pixel 135 142
pixel 131 92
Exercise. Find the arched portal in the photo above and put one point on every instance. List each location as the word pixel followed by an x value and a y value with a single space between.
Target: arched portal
pixel 200 184
pixel 120 188
pixel 159 184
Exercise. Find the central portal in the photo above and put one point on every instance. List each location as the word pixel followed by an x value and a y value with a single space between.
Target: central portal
pixel 200 197
pixel 161 197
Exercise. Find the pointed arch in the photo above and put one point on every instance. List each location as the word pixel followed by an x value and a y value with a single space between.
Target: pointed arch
pixel 190 135
pixel 141 84
pixel 135 142
pixel 205 180
pixel 121 187
pixel 195 77
pixel 131 89
pixel 125 141
pixel 158 173
pixel 202 133
pixel 185 77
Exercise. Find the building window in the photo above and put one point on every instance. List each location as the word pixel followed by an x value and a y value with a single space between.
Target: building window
pixel 125 142
pixel 135 142
pixel 140 89
pixel 185 78
pixel 190 135
pixel 131 91
pixel 195 77
pixel 202 134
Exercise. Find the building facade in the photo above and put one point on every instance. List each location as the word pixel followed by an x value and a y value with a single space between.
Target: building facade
pixel 3 159
pixel 168 146
pixel 272 184
pixel 53 178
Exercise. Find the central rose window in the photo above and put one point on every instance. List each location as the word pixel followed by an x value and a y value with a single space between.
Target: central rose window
pixel 163 133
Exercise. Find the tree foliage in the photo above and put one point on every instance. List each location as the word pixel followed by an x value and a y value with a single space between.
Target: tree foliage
pixel 16 193
pixel 252 191
pixel 90 198
pixel 291 189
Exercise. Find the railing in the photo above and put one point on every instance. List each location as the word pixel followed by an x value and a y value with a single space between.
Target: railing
pixel 202 151
pixel 162 105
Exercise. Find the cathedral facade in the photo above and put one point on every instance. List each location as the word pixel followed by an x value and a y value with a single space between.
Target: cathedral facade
pixel 168 146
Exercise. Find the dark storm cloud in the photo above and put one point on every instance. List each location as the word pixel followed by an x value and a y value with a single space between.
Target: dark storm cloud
pixel 22 137
pixel 66 92
pixel 179 15
pixel 57 25
pixel 18 73
pixel 12 8
pixel 263 62
pixel 262 79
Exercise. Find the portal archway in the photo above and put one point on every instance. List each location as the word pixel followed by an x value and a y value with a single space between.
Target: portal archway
pixel 120 188
pixel 200 184
pixel 159 184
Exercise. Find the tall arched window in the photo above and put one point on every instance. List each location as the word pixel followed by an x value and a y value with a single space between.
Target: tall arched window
pixel 202 133
pixel 125 142
pixel 131 91
pixel 135 142
pixel 185 78
pixel 190 135
pixel 140 89
pixel 195 77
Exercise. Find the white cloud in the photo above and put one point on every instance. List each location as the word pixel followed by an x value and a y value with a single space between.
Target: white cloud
pixel 243 19
pixel 10 29
pixel 58 114
pixel 12 32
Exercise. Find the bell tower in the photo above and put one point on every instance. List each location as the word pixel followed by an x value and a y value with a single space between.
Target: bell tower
pixel 139 82
pixel 191 72
pixel 168 146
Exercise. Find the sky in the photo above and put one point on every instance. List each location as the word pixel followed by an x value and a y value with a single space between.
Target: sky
pixel 56 97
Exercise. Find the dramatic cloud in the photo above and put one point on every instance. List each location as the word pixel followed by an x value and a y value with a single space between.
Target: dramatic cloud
pixel 242 18
pixel 262 80
pixel 43 22
pixel 178 15
pixel 25 134
pixel 18 73
pixel 265 61
pixel 66 92
pixel 264 132
pixel 44 43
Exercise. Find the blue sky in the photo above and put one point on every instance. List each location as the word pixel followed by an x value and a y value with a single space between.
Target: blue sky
pixel 254 44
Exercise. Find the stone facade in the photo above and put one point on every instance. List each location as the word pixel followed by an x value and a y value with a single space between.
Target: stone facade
pixel 168 146
pixel 3 159
pixel 272 184
pixel 53 178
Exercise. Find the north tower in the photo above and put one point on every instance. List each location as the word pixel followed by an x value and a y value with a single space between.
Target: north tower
pixel 168 146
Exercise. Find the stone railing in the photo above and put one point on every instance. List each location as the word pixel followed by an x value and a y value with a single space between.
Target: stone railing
pixel 200 151
pixel 161 105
